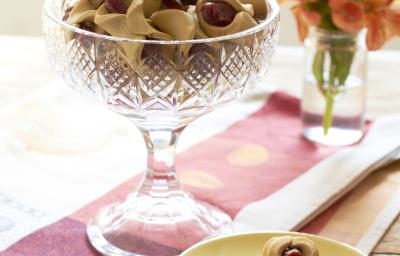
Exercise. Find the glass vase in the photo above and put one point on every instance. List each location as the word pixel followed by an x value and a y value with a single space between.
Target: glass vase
pixel 334 93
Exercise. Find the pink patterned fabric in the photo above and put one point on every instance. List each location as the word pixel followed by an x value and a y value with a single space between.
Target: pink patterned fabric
pixel 274 131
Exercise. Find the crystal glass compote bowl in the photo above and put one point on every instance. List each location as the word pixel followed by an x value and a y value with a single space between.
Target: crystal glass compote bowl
pixel 163 90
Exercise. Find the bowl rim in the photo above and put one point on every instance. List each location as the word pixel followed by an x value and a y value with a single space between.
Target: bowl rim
pixel 272 16
pixel 272 232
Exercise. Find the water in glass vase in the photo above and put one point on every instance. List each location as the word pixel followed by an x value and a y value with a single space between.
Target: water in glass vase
pixel 347 122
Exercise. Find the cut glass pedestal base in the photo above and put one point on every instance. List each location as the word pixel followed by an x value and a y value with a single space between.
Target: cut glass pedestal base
pixel 151 226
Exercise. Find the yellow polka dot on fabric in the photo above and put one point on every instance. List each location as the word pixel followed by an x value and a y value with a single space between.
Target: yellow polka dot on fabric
pixel 200 179
pixel 248 155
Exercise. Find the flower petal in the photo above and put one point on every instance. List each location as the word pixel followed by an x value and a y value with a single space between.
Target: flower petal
pixel 377 35
pixel 301 22
pixel 312 17
pixel 348 15
pixel 337 4
pixel 379 3
pixel 392 21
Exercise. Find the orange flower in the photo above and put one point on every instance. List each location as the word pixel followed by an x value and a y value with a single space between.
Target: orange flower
pixel 305 18
pixel 383 22
pixel 348 15
pixel 381 17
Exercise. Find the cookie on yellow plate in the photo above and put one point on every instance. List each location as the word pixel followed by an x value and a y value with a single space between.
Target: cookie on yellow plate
pixel 290 246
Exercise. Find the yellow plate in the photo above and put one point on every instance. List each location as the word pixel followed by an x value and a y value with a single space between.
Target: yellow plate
pixel 252 244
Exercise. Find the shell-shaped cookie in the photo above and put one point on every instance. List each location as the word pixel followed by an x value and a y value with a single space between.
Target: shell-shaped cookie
pixel 307 247
pixel 115 25
pixel 236 4
pixel 150 7
pixel 243 20
pixel 199 33
pixel 261 8
pixel 96 3
pixel 82 11
pixel 176 23
pixel 276 246
pixel 138 24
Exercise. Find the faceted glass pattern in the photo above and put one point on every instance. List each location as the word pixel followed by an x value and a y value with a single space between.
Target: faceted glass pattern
pixel 178 86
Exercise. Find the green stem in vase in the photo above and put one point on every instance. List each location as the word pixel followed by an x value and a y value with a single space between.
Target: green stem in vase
pixel 330 94
pixel 318 69
pixel 341 58
pixel 328 115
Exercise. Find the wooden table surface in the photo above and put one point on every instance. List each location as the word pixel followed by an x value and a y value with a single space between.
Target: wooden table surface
pixel 390 244
pixel 24 67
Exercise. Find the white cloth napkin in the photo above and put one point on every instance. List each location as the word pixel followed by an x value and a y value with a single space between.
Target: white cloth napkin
pixel 309 195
